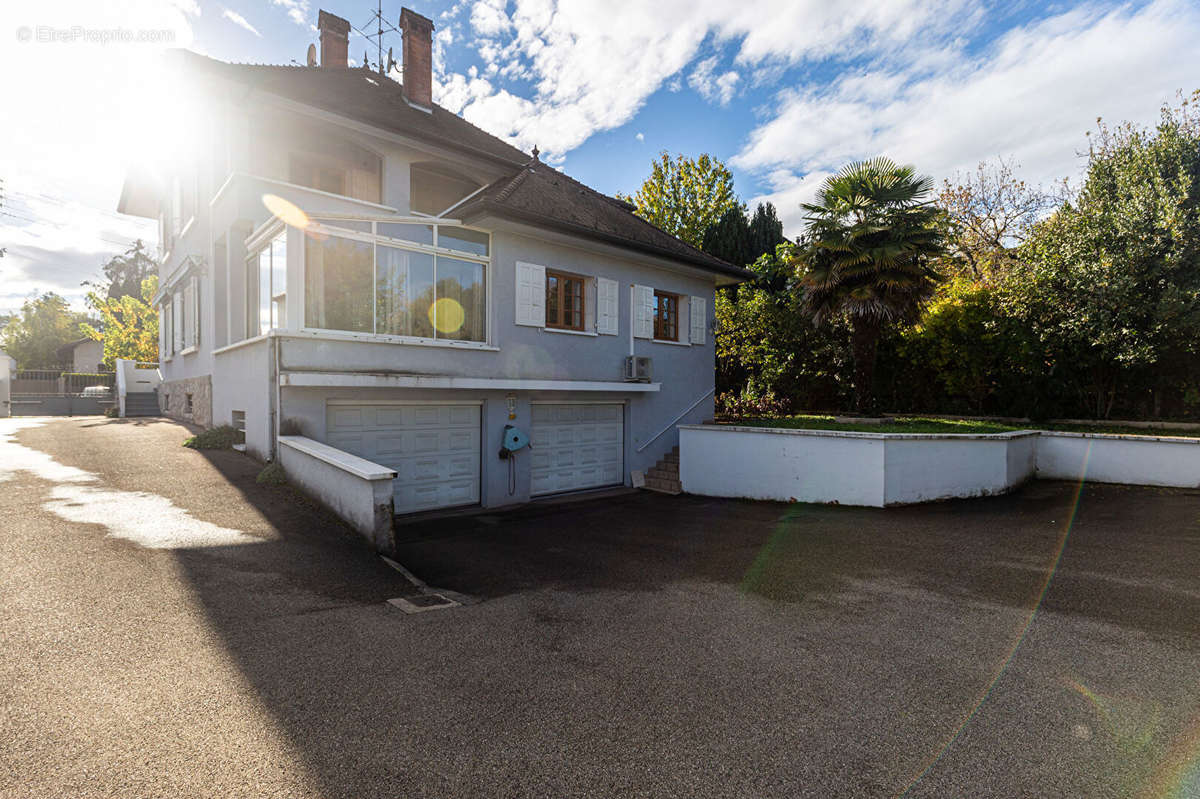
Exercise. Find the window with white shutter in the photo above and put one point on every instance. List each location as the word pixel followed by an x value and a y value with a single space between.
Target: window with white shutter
pixel 698 321
pixel 191 294
pixel 530 294
pixel 644 311
pixel 178 322
pixel 164 332
pixel 607 311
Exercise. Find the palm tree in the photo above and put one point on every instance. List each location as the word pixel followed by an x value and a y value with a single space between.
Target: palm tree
pixel 870 244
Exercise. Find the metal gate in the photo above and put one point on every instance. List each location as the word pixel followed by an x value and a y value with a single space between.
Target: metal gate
pixel 54 392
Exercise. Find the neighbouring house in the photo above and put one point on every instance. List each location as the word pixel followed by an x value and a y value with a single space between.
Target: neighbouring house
pixel 8 364
pixel 345 260
pixel 85 356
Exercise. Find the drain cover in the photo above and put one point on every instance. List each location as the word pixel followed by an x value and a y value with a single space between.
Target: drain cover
pixel 422 602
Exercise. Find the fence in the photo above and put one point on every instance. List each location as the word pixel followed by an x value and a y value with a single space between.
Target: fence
pixel 59 392
pixel 57 381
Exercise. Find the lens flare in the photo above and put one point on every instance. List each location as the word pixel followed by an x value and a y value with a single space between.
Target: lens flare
pixel 285 210
pixel 447 315
pixel 1178 775
pixel 986 692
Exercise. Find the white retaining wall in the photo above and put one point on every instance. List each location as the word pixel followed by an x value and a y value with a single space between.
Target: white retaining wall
pixel 873 469
pixel 1111 458
pixel 357 490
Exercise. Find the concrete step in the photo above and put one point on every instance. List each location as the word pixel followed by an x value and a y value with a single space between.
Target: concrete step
pixel 662 473
pixel 671 457
pixel 663 486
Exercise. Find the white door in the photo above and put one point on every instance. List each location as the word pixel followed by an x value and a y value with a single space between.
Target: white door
pixel 576 447
pixel 433 448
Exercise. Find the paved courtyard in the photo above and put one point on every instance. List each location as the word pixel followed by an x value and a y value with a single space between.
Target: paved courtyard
pixel 170 628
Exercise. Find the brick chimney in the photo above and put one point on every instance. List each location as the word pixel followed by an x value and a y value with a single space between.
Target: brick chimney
pixel 335 39
pixel 418 58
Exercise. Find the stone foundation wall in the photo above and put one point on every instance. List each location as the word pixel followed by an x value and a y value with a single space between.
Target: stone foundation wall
pixel 172 398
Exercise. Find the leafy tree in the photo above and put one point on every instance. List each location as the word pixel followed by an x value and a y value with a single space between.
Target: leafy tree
pixel 988 215
pixel 769 356
pixel 43 325
pixel 766 231
pixel 869 257
pixel 126 272
pixel 1113 290
pixel 729 237
pixel 129 324
pixel 684 196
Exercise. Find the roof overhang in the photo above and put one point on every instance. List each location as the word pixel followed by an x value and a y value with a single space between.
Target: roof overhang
pixel 140 193
pixel 725 275
pixel 570 235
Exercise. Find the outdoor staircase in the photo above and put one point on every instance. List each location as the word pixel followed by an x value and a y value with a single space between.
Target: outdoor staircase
pixel 141 403
pixel 664 477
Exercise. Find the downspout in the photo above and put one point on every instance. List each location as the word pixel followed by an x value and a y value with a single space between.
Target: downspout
pixel 275 398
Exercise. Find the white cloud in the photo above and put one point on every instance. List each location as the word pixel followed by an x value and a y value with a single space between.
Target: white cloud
pixel 714 88
pixel 297 10
pixel 640 137
pixel 593 63
pixel 1031 96
pixel 240 21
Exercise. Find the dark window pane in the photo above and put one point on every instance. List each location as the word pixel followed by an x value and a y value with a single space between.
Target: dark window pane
pixel 463 240
pixel 418 234
pixel 404 292
pixel 459 311
pixel 338 285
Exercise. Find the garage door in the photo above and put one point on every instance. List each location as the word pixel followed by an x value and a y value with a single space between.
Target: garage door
pixel 433 448
pixel 576 447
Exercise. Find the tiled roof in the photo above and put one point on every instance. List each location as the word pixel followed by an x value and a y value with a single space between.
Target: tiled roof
pixel 542 196
pixel 532 192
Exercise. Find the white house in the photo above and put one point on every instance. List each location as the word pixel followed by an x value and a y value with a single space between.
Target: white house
pixel 345 260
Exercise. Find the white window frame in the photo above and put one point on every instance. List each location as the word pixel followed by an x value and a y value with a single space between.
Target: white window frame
pixel 328 226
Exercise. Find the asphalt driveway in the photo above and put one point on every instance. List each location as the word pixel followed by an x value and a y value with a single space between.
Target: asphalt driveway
pixel 170 628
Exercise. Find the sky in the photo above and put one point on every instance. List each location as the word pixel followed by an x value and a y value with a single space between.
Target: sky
pixel 783 91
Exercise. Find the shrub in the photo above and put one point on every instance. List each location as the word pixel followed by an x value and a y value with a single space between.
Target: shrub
pixel 223 437
pixel 271 475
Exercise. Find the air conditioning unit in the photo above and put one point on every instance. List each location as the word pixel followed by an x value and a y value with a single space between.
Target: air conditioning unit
pixel 637 369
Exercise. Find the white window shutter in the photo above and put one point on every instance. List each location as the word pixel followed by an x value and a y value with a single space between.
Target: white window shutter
pixel 589 305
pixel 698 321
pixel 164 325
pixel 643 302
pixel 531 294
pixel 178 320
pixel 193 312
pixel 607 318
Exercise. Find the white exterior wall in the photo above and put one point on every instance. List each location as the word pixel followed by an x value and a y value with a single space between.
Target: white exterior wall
pixel 242 382
pixel 872 469
pixel 1134 460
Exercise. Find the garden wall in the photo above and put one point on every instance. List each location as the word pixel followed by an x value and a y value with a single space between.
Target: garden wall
pixel 850 468
pixel 1119 458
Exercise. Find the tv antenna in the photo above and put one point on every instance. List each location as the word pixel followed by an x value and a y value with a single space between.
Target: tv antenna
pixel 382 26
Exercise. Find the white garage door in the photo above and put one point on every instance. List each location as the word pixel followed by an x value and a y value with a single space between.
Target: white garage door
pixel 576 447
pixel 433 448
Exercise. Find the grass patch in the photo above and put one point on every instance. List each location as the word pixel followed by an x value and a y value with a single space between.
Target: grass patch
pixel 271 475
pixel 223 437
pixel 932 424
pixel 901 424
pixel 1117 429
